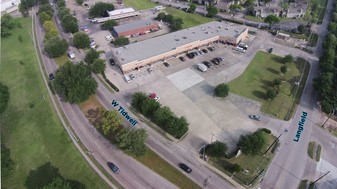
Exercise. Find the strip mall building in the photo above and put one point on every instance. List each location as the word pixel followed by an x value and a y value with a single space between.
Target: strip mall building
pixel 149 51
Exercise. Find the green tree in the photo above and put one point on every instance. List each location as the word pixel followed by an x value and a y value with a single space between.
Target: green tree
pixel 74 83
pixel 271 94
pixel 149 107
pixel 48 26
pixel 323 84
pixel 91 56
pixel 24 8
pixel 61 3
pixel 330 42
pixel 252 143
pixel 333 28
pixel 288 58
pixel 7 164
pixel 192 8
pixel 163 115
pixel 138 99
pixel 58 183
pixel 221 90
pixel 334 17
pixel 80 2
pixel 121 41
pixel 216 149
pixel 211 11
pixel 168 18
pixel 98 66
pixel 132 141
pixel 301 28
pixel 248 3
pixel 176 24
pixel 46 8
pixel 108 25
pixel 100 9
pixel 69 24
pixel 81 40
pixel 7 24
pixel 110 121
pixel 161 16
pixel 272 19
pixel 284 69
pixel 63 11
pixel 55 47
pixel 277 82
pixel 177 127
pixel 52 33
pixel 44 17
pixel 235 7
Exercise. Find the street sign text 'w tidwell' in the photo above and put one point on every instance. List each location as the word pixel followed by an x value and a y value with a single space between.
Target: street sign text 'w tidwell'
pixel 124 113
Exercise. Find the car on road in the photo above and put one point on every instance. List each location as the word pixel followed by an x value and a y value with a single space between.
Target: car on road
pixel 112 62
pixel 113 167
pixel 182 59
pixel 184 167
pixel 166 64
pixel 256 117
pixel 270 50
pixel 51 77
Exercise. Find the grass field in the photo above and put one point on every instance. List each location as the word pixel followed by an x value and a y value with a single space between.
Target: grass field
pixel 318 152
pixel 139 4
pixel 254 164
pixel 30 127
pixel 258 78
pixel 61 60
pixel 189 20
pixel 311 148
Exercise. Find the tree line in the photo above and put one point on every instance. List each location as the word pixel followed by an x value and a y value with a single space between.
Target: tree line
pixel 326 83
pixel 162 116
pixel 174 23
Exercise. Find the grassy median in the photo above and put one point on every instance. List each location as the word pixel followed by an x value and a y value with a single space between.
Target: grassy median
pixel 259 77
pixel 30 126
pixel 139 4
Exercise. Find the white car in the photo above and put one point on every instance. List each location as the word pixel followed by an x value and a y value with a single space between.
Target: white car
pixel 94 20
pixel 108 37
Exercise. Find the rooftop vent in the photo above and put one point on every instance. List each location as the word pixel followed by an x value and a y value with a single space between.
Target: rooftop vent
pixel 176 39
pixel 184 37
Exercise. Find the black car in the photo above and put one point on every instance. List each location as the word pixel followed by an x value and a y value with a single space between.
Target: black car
pixel 112 62
pixel 207 64
pixel 215 61
pixel 204 50
pixel 166 64
pixel 51 77
pixel 182 59
pixel 210 49
pixel 190 55
pixel 185 167
pixel 113 167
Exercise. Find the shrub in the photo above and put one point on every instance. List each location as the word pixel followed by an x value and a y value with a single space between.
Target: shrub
pixel 266 130
pixel 221 90
pixel 4 97
pixel 216 149
pixel 271 94
pixel 81 40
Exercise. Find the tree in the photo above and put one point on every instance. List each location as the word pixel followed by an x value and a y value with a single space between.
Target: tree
pixel 52 33
pixel 272 19
pixel 284 5
pixel 235 7
pixel 288 58
pixel 211 11
pixel 46 8
pixel 61 3
pixel 91 56
pixel 63 11
pixel 333 28
pixel 55 47
pixel 4 97
pixel 7 24
pixel 192 8
pixel 323 84
pixel 58 183
pixel 98 66
pixel 24 8
pixel 69 24
pixel 74 83
pixel 284 69
pixel 80 2
pixel 81 40
pixel 163 115
pixel 108 25
pixel 110 121
pixel 301 28
pixel 248 3
pixel 100 9
pixel 168 18
pixel 177 127
pixel 221 90
pixel 176 24
pixel 216 149
pixel 121 41
pixel 161 16
pixel 334 17
pixel 138 99
pixel 44 17
pixel 132 141
pixel 277 82
pixel 149 107
pixel 48 26
pixel 7 164
pixel 330 41
pixel 252 143
pixel 271 94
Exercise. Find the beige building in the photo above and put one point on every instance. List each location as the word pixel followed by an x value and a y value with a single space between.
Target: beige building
pixel 149 51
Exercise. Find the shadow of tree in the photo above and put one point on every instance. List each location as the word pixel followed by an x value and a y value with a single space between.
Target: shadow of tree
pixel 277 59
pixel 76 185
pixel 259 94
pixel 273 71
pixel 42 176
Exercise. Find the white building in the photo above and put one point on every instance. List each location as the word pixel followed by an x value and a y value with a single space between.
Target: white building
pixel 8 6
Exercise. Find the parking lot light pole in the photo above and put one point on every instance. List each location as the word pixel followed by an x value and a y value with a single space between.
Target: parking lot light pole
pixel 333 112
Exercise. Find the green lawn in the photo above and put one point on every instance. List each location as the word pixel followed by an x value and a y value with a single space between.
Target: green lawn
pixel 318 152
pixel 189 19
pixel 311 148
pixel 253 164
pixel 61 60
pixel 253 18
pixel 166 170
pixel 258 78
pixel 139 4
pixel 30 127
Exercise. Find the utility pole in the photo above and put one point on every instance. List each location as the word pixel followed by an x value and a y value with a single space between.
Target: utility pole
pixel 272 144
pixel 320 178
pixel 333 112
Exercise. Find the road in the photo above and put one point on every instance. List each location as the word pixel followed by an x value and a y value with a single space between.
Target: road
pixel 287 169
pixel 132 174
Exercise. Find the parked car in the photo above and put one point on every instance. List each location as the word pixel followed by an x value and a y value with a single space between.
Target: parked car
pixel 94 20
pixel 256 117
pixel 204 50
pixel 127 78
pixel 202 67
pixel 166 64
pixel 132 76
pixel 71 54
pixel 113 167
pixel 215 61
pixel 207 64
pixel 112 62
pixel 154 97
pixel 182 59
pixel 185 167
pixel 51 77
pixel 211 49
pixel 150 70
pixel 108 37
pixel 190 55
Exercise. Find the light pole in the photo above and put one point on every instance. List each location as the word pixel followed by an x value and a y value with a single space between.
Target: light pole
pixel 212 134
pixel 333 112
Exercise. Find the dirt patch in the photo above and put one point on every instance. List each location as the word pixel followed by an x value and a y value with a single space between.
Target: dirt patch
pixel 91 103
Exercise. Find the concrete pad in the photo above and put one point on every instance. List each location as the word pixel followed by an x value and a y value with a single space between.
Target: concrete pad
pixel 185 79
